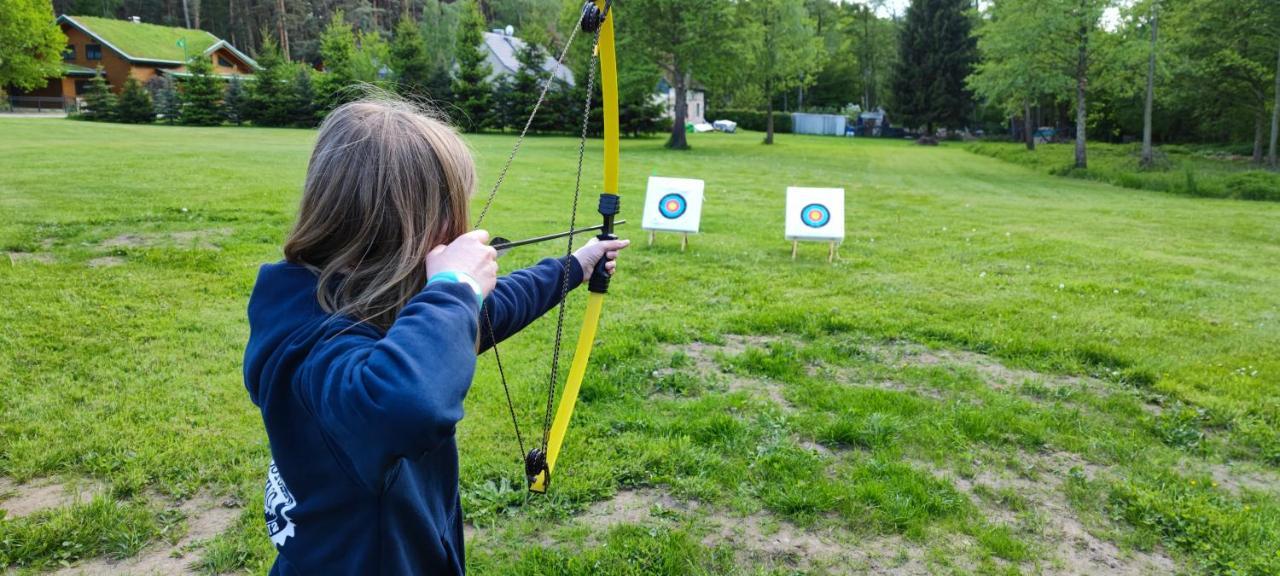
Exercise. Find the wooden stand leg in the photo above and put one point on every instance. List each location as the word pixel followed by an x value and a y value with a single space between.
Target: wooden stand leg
pixel 651 235
pixel 795 246
pixel 831 253
pixel 684 242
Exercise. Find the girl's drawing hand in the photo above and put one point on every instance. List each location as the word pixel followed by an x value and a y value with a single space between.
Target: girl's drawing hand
pixel 469 254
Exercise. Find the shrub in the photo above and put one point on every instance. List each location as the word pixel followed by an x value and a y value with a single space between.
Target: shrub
pixel 134 105
pixel 1253 186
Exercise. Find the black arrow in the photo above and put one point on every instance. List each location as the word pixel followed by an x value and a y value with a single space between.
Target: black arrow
pixel 502 244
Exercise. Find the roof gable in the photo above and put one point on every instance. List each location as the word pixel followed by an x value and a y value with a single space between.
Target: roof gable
pixel 504 50
pixel 145 42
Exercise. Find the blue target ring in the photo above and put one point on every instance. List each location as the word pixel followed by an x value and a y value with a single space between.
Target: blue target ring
pixel 815 215
pixel 672 206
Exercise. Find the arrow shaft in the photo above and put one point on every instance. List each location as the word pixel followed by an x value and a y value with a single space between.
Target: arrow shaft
pixel 539 239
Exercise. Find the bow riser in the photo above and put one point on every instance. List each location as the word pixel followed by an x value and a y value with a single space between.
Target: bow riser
pixel 599 285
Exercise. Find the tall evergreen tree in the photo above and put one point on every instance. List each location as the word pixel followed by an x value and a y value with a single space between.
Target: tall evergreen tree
pixel 164 96
pixel 235 102
pixel 302 102
pixel 472 91
pixel 937 54
pixel 526 86
pixel 337 54
pixel 201 94
pixel 270 94
pixel 409 59
pixel 134 105
pixel 99 101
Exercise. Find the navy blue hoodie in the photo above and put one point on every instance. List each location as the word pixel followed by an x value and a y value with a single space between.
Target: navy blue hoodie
pixel 364 476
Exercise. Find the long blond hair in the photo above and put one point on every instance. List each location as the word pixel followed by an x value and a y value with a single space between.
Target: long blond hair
pixel 386 183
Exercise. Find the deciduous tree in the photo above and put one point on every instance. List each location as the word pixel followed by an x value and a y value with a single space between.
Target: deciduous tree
pixel 785 50
pixel 30 44
pixel 685 38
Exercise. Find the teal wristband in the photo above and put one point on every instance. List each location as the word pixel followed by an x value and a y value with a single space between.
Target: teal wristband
pixel 461 278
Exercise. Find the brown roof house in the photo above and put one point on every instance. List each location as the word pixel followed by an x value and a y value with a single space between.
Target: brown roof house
pixel 130 48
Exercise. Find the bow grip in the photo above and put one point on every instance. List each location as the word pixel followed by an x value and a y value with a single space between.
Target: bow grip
pixel 610 204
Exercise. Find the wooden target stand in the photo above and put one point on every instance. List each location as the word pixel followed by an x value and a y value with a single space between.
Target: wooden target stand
pixel 833 250
pixel 684 239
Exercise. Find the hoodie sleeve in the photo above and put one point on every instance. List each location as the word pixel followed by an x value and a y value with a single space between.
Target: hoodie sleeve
pixel 399 395
pixel 525 295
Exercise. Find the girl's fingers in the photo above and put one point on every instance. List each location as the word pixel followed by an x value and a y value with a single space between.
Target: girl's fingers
pixel 610 267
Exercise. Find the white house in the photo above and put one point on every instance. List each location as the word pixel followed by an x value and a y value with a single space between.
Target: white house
pixel 503 48
pixel 695 102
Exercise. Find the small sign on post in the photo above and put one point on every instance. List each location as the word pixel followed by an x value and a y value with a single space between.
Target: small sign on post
pixel 673 205
pixel 816 215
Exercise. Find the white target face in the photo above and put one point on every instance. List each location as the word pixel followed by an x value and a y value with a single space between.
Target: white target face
pixel 815 214
pixel 673 205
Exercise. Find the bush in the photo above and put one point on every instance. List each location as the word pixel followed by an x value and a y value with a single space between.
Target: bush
pixel 1253 186
pixel 754 119
pixel 134 106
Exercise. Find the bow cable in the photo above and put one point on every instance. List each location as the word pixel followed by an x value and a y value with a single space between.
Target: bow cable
pixel 536 464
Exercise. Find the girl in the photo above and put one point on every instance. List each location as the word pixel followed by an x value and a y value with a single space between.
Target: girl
pixel 363 343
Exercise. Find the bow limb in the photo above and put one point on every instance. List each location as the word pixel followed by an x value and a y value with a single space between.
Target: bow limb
pixel 599 283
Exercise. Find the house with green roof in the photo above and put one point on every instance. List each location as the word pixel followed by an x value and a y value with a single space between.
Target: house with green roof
pixel 132 49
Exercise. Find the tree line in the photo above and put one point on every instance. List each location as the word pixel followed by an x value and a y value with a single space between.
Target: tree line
pixel 1113 70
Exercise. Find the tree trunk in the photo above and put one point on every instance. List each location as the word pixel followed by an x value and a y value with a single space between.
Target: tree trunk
pixel 1275 119
pixel 1148 157
pixel 678 139
pixel 1029 133
pixel 1258 131
pixel 1082 67
pixel 768 121
pixel 282 30
pixel 231 23
pixel 186 17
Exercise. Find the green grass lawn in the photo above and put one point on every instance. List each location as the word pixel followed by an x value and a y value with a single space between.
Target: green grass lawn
pixel 1004 372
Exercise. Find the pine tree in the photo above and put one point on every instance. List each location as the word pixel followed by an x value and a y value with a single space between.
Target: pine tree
pixel 337 53
pixel 201 95
pixel 303 104
pixel 526 87
pixel 270 94
pixel 100 103
pixel 409 59
pixel 165 98
pixel 134 105
pixel 233 106
pixel 937 54
pixel 472 91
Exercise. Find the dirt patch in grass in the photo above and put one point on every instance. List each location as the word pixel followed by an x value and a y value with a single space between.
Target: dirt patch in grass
pixel 703 363
pixel 106 262
pixel 1236 479
pixel 193 239
pixel 206 517
pixel 996 374
pixel 761 540
pixel 18 500
pixel 1035 488
pixel 16 258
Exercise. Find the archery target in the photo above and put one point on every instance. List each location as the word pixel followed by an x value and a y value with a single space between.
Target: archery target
pixel 815 214
pixel 673 205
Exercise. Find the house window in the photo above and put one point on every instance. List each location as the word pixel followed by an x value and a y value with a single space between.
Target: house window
pixel 222 61
pixel 69 54
pixel 93 51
